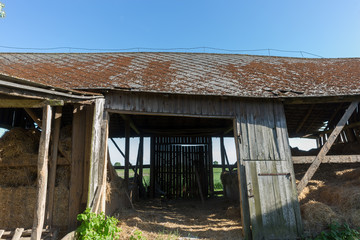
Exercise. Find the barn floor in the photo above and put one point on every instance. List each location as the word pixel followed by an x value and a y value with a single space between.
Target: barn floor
pixel 217 218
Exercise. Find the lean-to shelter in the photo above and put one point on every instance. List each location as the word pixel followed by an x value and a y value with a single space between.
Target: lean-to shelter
pixel 181 100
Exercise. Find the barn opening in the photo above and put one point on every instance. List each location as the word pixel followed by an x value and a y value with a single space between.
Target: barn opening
pixel 332 192
pixel 172 157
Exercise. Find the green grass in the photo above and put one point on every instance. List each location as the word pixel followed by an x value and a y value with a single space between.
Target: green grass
pixel 146 177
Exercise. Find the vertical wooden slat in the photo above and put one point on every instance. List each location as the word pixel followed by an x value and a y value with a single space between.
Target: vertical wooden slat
pixel 285 153
pixel 42 172
pixel 141 158
pixel 52 164
pixel 222 153
pixel 103 164
pixel 240 151
pixel 127 152
pixel 95 150
pixel 77 164
pixel 152 166
pixel 89 123
pixel 210 160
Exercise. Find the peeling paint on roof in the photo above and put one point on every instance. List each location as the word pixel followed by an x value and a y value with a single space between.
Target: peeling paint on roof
pixel 188 73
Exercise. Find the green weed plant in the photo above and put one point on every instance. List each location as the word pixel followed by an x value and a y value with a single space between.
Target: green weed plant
pixel 97 226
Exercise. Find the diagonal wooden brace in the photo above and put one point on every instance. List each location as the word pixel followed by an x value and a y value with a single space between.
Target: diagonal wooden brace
pixel 325 149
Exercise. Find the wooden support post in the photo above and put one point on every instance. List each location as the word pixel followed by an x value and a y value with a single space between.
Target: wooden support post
pixel 103 165
pixel 244 204
pixel 222 153
pixel 127 152
pixel 52 165
pixel 77 164
pixel 33 116
pixel 152 165
pixel 89 124
pixel 324 150
pixel 42 174
pixel 211 160
pixel 141 158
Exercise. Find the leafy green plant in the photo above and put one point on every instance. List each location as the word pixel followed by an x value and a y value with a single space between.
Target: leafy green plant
pixel 97 226
pixel 339 232
pixel 137 235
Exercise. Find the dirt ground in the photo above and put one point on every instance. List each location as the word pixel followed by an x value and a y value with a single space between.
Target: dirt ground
pixel 217 218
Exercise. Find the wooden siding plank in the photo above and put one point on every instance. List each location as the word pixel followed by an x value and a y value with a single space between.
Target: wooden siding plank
pixel 53 164
pixel 324 150
pixel 327 159
pixel 77 164
pixel 285 154
pixel 95 149
pixel 163 104
pixel 241 151
pixel 42 173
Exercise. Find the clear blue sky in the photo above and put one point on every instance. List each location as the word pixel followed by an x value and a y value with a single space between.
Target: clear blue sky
pixel 329 28
pixel 324 27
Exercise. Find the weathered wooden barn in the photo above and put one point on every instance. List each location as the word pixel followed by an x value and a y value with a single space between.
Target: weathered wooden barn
pixel 181 100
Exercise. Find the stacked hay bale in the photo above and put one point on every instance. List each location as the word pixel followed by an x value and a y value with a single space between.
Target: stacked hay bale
pixel 18 175
pixel 230 184
pixel 336 199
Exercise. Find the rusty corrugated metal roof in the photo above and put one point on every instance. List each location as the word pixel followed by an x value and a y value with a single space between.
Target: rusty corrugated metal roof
pixel 188 73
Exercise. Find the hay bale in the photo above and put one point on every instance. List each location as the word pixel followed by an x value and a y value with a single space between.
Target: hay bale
pixel 14 177
pixel 17 206
pixel 349 175
pixel 65 142
pixel 230 185
pixel 19 144
pixel 233 212
pixel 317 216
pixel 61 206
pixel 354 218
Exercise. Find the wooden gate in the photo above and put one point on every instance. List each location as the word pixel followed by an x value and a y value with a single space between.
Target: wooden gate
pixel 182 166
pixel 266 173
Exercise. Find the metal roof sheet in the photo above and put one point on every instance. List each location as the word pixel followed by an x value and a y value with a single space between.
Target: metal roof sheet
pixel 189 73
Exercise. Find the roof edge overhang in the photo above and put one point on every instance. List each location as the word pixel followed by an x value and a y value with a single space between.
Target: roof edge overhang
pixel 284 99
pixel 24 88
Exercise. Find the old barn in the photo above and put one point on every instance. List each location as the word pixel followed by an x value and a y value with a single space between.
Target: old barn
pixel 180 101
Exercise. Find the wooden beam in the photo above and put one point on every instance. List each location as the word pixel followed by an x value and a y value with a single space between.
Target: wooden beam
pixel 152 165
pixel 42 173
pixel 1 233
pixel 53 164
pixel 132 124
pixel 118 148
pixel 25 103
pixel 305 118
pixel 103 164
pixel 324 150
pixel 141 158
pixel 33 116
pixel 222 153
pixel 327 159
pixel 127 152
pixel 17 234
